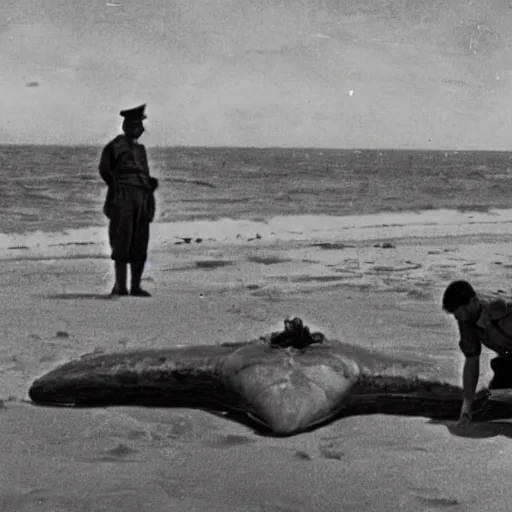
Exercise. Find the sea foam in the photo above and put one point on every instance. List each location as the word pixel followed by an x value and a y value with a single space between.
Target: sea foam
pixel 93 242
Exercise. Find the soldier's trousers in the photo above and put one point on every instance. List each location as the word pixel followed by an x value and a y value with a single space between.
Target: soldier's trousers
pixel 129 225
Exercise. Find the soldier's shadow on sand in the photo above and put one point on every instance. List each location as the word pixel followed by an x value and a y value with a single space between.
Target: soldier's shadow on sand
pixel 74 296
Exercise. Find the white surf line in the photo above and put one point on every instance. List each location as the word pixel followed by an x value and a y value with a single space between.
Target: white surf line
pixel 93 241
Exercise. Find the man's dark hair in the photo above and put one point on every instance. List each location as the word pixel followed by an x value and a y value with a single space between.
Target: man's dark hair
pixel 457 293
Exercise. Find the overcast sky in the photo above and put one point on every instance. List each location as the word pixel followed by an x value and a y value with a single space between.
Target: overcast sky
pixel 325 73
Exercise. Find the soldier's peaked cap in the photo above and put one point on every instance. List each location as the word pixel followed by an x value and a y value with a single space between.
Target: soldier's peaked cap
pixel 134 114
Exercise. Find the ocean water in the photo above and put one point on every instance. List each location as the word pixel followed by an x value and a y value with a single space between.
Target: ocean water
pixel 52 189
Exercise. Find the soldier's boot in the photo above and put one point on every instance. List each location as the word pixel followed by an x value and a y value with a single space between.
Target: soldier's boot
pixel 137 268
pixel 120 287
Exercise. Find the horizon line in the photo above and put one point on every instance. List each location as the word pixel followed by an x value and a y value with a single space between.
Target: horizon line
pixel 286 148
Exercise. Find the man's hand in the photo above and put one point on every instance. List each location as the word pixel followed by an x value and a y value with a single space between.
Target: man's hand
pixel 464 420
pixel 470 375
pixel 153 183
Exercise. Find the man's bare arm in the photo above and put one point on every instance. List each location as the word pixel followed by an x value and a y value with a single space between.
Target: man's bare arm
pixel 470 375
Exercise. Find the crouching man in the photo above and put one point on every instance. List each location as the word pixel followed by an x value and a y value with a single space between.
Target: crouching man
pixel 481 321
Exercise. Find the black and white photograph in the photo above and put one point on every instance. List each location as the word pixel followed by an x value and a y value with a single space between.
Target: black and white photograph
pixel 255 255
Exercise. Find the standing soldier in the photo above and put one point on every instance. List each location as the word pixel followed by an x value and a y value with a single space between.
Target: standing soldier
pixel 130 202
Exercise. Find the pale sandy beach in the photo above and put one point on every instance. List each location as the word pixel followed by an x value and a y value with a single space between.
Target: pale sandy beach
pixel 138 459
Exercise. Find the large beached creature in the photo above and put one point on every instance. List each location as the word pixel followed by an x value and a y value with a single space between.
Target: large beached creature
pixel 288 382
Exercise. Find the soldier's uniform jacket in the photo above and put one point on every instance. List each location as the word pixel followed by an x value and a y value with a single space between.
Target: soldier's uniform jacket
pixel 125 164
pixel 493 328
